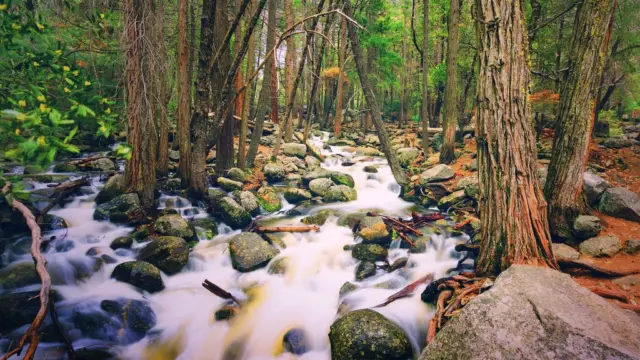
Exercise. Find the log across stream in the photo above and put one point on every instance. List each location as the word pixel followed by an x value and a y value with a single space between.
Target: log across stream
pixel 304 296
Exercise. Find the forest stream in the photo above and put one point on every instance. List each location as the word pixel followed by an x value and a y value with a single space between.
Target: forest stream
pixel 295 297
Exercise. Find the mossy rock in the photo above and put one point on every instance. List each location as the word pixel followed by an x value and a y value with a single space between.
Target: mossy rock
pixel 320 186
pixel 18 275
pixel 340 193
pixel 122 242
pixel 318 173
pixel 236 174
pixel 346 288
pixel 370 252
pixel 229 185
pixel 112 188
pixel 250 252
pixel 368 335
pixel 342 179
pixel 140 274
pixel 269 199
pixel 372 169
pixel 295 195
pixel 174 225
pixel 318 218
pixel 278 266
pixel 121 209
pixel 205 228
pixel 273 172
pixel 18 309
pixel 169 253
pixel 274 240
pixel 232 213
pixel 134 315
pixel 249 202
pixel 65 168
pixel 365 270
pixel 372 229
pixel 215 194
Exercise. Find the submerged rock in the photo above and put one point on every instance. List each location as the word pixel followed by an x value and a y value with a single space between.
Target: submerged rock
pixel 607 245
pixel 136 317
pixel 18 309
pixel 232 213
pixel 368 335
pixel 269 199
pixel 318 218
pixel 278 266
pixel 140 274
pixel 121 209
pixel 346 288
pixel 294 342
pixel 371 252
pixel 437 173
pixel 249 252
pixel 18 275
pixel 340 193
pixel 174 225
pixel 226 312
pixel 372 169
pixel 112 188
pixel 365 269
pixel 537 313
pixel 205 227
pixel 169 253
pixel 620 202
pixel 295 195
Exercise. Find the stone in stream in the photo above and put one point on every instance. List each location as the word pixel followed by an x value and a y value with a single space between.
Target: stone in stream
pixel 365 270
pixel 140 274
pixel 277 266
pixel 102 164
pixel 174 225
pixel 340 193
pixel 121 209
pixel 18 309
pixel 205 227
pixel 52 222
pixel 18 275
pixel 537 313
pixel 65 168
pixel 346 288
pixel 294 342
pixel 437 173
pixel 398 264
pixel 275 239
pixel 112 188
pixel 169 253
pixel 594 186
pixel 407 155
pixel 452 199
pixel 229 185
pixel 136 317
pixel 318 173
pixel 320 186
pixel 586 226
pixel 368 151
pixel 372 169
pixel 236 174
pixel 295 195
pixel 318 218
pixel 295 149
pixel 232 213
pixel 620 202
pixel 372 229
pixel 269 199
pixel 226 312
pixel 420 244
pixel 249 252
pixel 606 245
pixel 342 179
pixel 632 246
pixel 273 172
pixel 249 202
pixel 122 242
pixel 565 251
pixel 368 335
pixel 371 252
pixel 215 194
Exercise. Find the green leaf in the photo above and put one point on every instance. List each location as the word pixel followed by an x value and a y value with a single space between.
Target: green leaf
pixel 72 133
pixel 55 116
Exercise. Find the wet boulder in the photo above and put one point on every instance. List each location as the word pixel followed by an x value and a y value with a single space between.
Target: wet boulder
pixel 586 226
pixel 564 251
pixel 594 186
pixel 278 266
pixel 205 227
pixel 140 274
pixel 318 218
pixel 18 275
pixel 437 173
pixel 294 341
pixel 232 213
pixel 371 252
pixel 320 186
pixel 112 188
pixel 606 245
pixel 101 164
pixel 17 309
pixel 347 288
pixel 452 199
pixel 168 253
pixel 296 195
pixel 226 312
pixel 122 242
pixel 371 169
pixel 340 193
pixel 273 172
pixel 368 335
pixel 295 149
pixel 229 185
pixel 135 318
pixel 620 202
pixel 236 174
pixel 368 151
pixel 372 229
pixel 174 225
pixel 537 313
pixel 406 156
pixel 65 168
pixel 249 202
pixel 342 179
pixel 215 194
pixel 269 199
pixel 365 269
pixel 250 252
pixel 121 209
pixel 52 222
pixel 318 173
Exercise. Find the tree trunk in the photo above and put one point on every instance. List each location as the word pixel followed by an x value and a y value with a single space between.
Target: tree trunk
pixel 536 14
pixel 224 146
pixel 447 154
pixel 563 187
pixel 197 179
pixel 425 80
pixel 341 60
pixel 248 94
pixel 239 82
pixel 403 85
pixel 559 54
pixel 266 89
pixel 316 76
pixel 599 128
pixel 184 119
pixel 289 64
pixel 512 207
pixel 163 98
pixel 398 173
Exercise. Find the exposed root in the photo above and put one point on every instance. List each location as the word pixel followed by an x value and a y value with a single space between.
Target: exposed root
pixel 406 291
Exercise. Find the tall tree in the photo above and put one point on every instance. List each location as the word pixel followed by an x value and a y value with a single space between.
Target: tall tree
pixel 266 90
pixel 398 173
pixel 184 120
pixel 447 154
pixel 425 79
pixel 512 208
pixel 163 98
pixel 224 146
pixel 289 64
pixel 342 54
pixel 563 188
pixel 248 94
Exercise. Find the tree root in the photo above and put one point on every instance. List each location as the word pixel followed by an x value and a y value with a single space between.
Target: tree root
pixel 609 294
pixel 406 291
pixel 587 265
pixel 31 335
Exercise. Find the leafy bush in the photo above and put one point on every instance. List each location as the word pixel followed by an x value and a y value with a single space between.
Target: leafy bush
pixel 609 116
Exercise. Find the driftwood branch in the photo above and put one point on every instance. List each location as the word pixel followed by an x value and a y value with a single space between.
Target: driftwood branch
pixel 31 335
pixel 220 292
pixel 60 193
pixel 274 229
pixel 407 290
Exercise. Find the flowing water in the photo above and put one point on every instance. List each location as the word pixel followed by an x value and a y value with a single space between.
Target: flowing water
pixel 305 297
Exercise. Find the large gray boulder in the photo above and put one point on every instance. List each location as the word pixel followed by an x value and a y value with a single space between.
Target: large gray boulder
pixel 273 172
pixel 101 164
pixel 232 213
pixel 368 335
pixel 112 188
pixel 538 313
pixel 168 253
pixel 121 209
pixel 296 195
pixel 250 252
pixel 593 186
pixel 407 155
pixel 437 173
pixel 174 225
pixel 586 226
pixel 606 245
pixel 338 193
pixel 319 173
pixel 249 202
pixel 320 186
pixel 620 202
pixel 294 149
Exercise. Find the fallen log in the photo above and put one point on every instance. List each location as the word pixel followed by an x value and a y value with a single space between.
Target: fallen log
pixel 31 334
pixel 316 154
pixel 566 263
pixel 60 193
pixel 274 229
pixel 473 248
pixel 406 291
pixel 220 292
pixel 406 238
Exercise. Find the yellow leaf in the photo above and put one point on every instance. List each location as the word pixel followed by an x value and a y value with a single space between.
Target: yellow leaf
pixel 18 132
pixel 15 26
pixel 101 16
pixel 21 117
pixel 108 111
pixel 41 98
pixel 87 83
pixel 67 90
pixel 3 7
pixel 75 73
pixel 43 107
pixel 58 52
pixel 22 103
pixel 66 68
pixel 40 26
pixel 35 63
pixel 41 141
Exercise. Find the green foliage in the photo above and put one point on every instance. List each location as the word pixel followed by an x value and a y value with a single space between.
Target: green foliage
pixel 609 116
pixel 44 95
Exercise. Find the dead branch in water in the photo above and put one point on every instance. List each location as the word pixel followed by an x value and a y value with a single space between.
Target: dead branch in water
pixel 406 291
pixel 60 193
pixel 274 229
pixel 220 292
pixel 31 334
pixel 56 322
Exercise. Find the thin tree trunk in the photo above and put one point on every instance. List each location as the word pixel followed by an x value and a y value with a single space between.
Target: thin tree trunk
pixel 163 99
pixel 598 128
pixel 403 85
pixel 289 64
pixel 447 154
pixel 192 54
pixel 563 187
pixel 274 89
pixel 559 54
pixel 425 80
pixel 224 135
pixel 536 14
pixel 265 91
pixel 197 180
pixel 242 140
pixel 398 173
pixel 184 123
pixel 512 207
pixel 341 61
pixel 462 105
pixel 239 103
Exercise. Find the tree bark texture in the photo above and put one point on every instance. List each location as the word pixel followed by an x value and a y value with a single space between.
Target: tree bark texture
pixel 398 173
pixel 342 54
pixel 163 97
pixel 563 187
pixel 289 63
pixel 184 118
pixel 248 94
pixel 512 208
pixel 447 154
pixel 425 79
